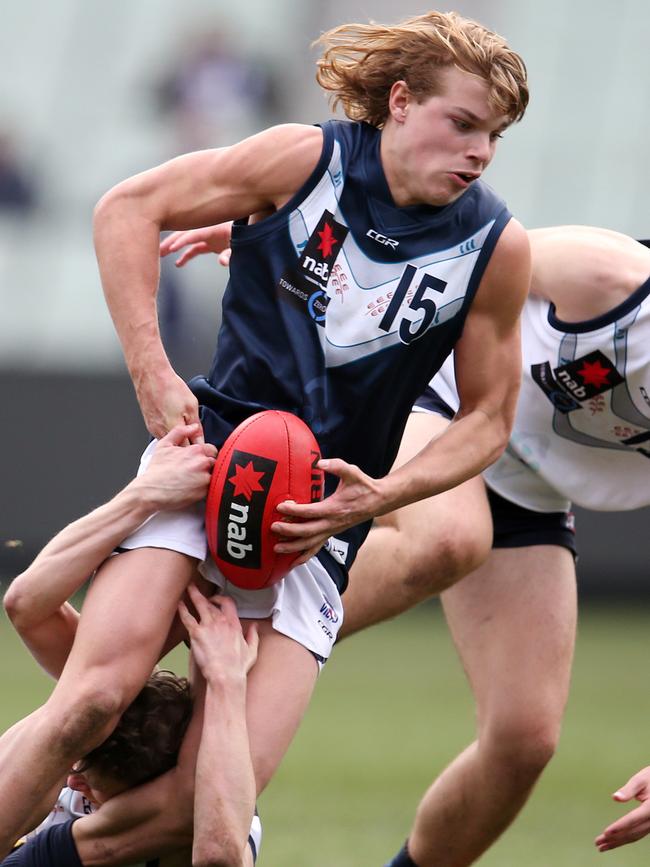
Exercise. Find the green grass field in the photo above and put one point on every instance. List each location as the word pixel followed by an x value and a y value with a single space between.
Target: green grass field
pixel 392 708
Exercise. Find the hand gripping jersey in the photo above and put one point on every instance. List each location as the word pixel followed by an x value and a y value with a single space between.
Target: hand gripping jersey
pixel 582 429
pixel 341 306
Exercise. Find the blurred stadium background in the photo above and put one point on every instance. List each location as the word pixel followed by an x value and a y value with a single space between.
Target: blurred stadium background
pixel 93 92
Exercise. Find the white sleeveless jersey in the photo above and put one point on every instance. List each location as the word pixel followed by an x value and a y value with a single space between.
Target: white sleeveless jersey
pixel 69 805
pixel 582 429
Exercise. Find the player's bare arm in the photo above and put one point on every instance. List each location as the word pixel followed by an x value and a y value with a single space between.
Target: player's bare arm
pixel 157 818
pixel 194 190
pixel 586 271
pixel 224 800
pixel 488 371
pixel 36 600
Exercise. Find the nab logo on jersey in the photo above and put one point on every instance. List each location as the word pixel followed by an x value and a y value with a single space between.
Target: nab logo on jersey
pixel 588 376
pixel 304 286
pixel 322 248
pixel 318 269
pixel 239 537
pixel 570 384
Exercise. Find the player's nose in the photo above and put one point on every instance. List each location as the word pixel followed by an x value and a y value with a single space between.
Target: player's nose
pixel 480 148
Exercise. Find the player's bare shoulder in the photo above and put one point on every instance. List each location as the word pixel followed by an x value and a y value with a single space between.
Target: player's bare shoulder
pixel 586 271
pixel 280 159
pixel 507 276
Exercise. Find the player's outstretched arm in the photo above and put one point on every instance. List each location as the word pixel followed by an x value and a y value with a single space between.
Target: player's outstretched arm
pixel 224 800
pixel 259 174
pixel 633 825
pixel 488 373
pixel 36 600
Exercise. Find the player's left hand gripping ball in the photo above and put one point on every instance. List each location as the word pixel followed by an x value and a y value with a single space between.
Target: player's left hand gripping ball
pixel 269 458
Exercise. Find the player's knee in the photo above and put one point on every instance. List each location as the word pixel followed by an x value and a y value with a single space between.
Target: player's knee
pixel 90 716
pixel 445 555
pixel 524 745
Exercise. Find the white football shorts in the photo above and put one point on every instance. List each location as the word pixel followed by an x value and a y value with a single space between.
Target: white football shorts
pixel 305 605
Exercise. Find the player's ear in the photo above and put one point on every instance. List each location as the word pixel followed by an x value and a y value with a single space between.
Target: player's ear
pixel 398 101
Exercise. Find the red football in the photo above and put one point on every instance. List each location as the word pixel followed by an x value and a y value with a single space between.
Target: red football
pixel 270 457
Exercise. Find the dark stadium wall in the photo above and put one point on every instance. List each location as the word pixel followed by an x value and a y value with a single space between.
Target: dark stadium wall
pixel 69 442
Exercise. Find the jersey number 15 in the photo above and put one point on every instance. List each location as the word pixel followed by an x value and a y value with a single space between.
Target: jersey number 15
pixel 407 332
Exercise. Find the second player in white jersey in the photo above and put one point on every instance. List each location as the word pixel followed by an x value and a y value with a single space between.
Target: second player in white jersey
pixel 585 389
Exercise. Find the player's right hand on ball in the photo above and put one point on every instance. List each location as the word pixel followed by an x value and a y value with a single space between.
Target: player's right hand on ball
pixel 177 474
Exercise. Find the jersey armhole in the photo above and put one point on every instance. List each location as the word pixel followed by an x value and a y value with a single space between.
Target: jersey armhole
pixel 242 232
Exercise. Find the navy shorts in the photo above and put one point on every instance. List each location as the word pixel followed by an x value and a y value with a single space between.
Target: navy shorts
pixel 514 526
pixel 517 527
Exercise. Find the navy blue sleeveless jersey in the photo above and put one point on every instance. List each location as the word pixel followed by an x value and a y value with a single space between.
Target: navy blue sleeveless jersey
pixel 52 848
pixel 341 306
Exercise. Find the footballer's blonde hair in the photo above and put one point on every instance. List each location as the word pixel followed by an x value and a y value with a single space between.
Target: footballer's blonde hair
pixel 361 62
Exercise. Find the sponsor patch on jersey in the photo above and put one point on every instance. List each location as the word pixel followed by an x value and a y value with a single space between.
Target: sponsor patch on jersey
pixel 322 248
pixel 570 385
pixel 588 376
pixel 304 286
pixel 239 536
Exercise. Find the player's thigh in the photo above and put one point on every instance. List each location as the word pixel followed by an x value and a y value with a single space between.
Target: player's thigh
pixel 126 616
pixel 513 622
pixel 279 688
pixel 460 513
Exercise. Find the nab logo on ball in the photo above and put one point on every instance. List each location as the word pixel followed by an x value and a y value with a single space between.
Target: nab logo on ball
pixel 239 534
pixel 270 457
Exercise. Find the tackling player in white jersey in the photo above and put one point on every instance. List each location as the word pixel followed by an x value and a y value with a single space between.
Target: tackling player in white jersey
pixel 215 751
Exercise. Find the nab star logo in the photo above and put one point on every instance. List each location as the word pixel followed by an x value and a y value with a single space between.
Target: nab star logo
pixel 594 374
pixel 246 481
pixel 327 241
pixel 588 376
pixel 578 383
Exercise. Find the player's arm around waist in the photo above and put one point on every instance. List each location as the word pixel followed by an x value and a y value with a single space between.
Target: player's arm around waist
pixel 488 374
pixel 36 600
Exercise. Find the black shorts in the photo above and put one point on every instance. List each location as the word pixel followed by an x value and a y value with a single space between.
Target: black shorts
pixel 517 527
pixel 514 526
